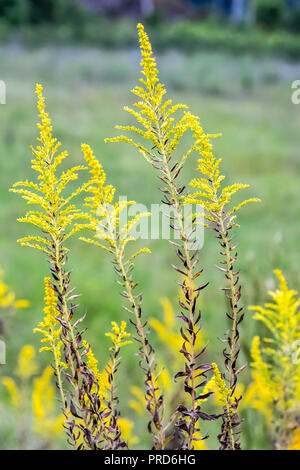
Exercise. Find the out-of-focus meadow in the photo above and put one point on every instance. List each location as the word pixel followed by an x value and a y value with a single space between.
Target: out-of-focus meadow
pixel 246 98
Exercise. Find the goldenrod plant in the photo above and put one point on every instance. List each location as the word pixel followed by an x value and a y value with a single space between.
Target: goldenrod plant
pixel 51 330
pixel 105 387
pixel 119 337
pixel 114 237
pixel 275 389
pixel 161 134
pixel 182 386
pixel 220 217
pixel 56 219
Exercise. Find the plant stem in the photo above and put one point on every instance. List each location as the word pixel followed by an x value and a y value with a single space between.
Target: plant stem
pixel 154 403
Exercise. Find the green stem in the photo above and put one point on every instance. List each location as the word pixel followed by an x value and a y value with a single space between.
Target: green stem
pixel 159 445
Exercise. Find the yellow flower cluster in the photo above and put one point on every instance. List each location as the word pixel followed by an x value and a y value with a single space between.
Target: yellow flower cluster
pixel 50 327
pixel 275 389
pixel 105 213
pixel 126 427
pixel 15 396
pixel 27 365
pixel 262 393
pixel 217 385
pixel 209 193
pixel 101 378
pixel 102 194
pixel 155 116
pixel 8 297
pixel 46 420
pixel 167 330
pixel 103 383
pixel 57 214
pixel 118 335
pixel 223 391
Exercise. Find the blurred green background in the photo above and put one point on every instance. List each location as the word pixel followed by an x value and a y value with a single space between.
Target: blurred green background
pixel 234 71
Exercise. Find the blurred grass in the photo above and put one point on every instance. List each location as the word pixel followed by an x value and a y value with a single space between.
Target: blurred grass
pixel 246 99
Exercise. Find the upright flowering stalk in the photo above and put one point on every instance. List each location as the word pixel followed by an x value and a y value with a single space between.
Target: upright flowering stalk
pixel 106 387
pixel 113 237
pixel 275 390
pixel 119 338
pixel 215 200
pixel 55 219
pixel 51 330
pixel 163 134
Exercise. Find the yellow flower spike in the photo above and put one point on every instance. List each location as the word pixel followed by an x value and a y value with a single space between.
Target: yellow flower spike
pixel 101 378
pixel 224 392
pixel 43 395
pixel 104 218
pixel 208 186
pixel 126 426
pixel 46 423
pixel 139 403
pixel 27 365
pixel 168 331
pixel 226 401
pixel 50 328
pixel 275 387
pixel 92 362
pixel 163 133
pixel 169 314
pixel 119 334
pixel 57 215
pixel 111 235
pixel 13 391
pixel 151 111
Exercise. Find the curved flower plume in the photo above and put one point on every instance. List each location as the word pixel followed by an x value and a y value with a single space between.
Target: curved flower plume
pixel 57 212
pixel 114 237
pixel 162 134
pixel 221 217
pixel 156 117
pixel 275 390
pixel 56 220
